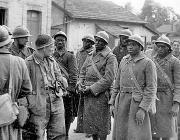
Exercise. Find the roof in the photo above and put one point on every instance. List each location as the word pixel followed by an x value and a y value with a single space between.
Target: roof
pixel 97 9
pixel 111 29
pixel 155 31
pixel 166 28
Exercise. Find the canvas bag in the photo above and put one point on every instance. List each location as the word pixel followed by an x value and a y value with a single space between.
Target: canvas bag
pixel 8 108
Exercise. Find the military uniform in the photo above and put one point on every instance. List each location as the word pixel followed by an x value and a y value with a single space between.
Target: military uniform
pixel 21 88
pixel 127 98
pixel 24 53
pixel 120 52
pixel 46 103
pixel 68 65
pixel 166 125
pixel 81 57
pixel 96 115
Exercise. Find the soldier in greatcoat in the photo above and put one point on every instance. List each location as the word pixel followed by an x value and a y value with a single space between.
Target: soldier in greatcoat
pixel 21 83
pixel 168 91
pixel 88 42
pixel 46 103
pixel 133 93
pixel 121 50
pixel 97 74
pixel 176 53
pixel 19 46
pixel 67 62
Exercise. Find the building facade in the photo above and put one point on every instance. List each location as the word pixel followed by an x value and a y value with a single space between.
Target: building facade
pixel 33 14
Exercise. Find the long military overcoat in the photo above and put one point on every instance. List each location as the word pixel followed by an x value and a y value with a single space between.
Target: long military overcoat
pixel 21 87
pixel 128 99
pixel 163 123
pixel 96 108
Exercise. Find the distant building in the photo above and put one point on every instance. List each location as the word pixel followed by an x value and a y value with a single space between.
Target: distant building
pixel 33 14
pixel 171 30
pixel 80 17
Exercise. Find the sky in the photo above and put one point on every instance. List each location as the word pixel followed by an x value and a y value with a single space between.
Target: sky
pixel 138 4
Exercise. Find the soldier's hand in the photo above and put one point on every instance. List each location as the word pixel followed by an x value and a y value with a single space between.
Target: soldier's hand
pixel 112 108
pixel 140 115
pixel 175 109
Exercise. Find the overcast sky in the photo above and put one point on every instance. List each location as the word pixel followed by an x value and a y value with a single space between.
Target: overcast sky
pixel 137 4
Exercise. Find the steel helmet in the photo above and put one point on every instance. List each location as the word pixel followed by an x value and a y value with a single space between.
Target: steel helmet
pixel 103 35
pixel 137 39
pixel 43 40
pixel 164 39
pixel 125 32
pixel 89 37
pixel 4 36
pixel 8 29
pixel 20 32
pixel 60 33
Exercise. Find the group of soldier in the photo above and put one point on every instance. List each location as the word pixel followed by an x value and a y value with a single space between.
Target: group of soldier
pixel 139 88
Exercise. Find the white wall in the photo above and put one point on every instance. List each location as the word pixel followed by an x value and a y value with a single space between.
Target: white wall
pixel 76 31
pixel 17 12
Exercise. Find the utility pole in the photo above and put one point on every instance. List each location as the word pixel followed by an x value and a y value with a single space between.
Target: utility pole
pixel 64 17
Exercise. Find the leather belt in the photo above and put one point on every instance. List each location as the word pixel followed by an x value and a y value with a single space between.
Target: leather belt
pixel 128 90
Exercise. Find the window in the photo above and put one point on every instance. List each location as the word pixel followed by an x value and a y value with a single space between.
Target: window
pixel 3 16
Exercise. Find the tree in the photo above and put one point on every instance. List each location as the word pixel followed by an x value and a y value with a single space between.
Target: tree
pixel 157 15
pixel 128 7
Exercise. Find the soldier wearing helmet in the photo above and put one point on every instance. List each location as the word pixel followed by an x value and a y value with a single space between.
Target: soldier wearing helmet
pixel 21 37
pixel 168 90
pixel 46 104
pixel 97 75
pixel 134 90
pixel 88 42
pixel 67 63
pixel 21 85
pixel 121 50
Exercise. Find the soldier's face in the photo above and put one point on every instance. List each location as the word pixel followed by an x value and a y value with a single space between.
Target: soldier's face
pixel 162 49
pixel 87 43
pixel 22 41
pixel 99 43
pixel 60 42
pixel 133 48
pixel 123 39
pixel 48 51
pixel 176 48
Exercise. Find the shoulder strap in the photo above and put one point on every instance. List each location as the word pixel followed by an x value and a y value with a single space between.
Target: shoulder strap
pixel 134 78
pixel 166 77
pixel 62 68
pixel 11 74
pixel 95 67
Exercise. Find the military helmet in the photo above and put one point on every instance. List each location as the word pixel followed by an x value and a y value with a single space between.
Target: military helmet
pixel 4 36
pixel 89 37
pixel 103 35
pixel 137 39
pixel 125 32
pixel 8 29
pixel 43 40
pixel 60 33
pixel 164 39
pixel 20 32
